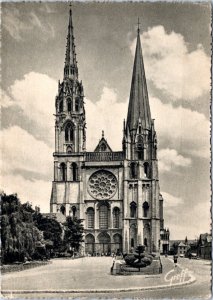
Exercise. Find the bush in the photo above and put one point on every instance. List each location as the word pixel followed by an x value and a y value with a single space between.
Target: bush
pixel 138 259
pixel 129 259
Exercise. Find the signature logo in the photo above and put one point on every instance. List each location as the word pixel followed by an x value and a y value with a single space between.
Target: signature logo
pixel 172 278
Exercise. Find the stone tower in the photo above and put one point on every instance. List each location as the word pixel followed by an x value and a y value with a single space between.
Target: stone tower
pixel 142 200
pixel 115 193
pixel 70 133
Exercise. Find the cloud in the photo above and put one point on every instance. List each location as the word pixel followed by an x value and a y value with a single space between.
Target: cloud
pixel 175 216
pixel 21 151
pixel 202 211
pixel 106 114
pixel 35 95
pixel 171 201
pixel 22 154
pixel 171 67
pixel 6 101
pixel 169 158
pixel 182 128
pixel 19 25
pixel 37 192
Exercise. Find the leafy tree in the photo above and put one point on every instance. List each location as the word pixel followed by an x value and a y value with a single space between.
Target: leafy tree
pixel 19 236
pixel 73 233
pixel 52 231
pixel 174 248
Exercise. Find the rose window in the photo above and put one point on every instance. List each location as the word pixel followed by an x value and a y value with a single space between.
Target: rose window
pixel 102 185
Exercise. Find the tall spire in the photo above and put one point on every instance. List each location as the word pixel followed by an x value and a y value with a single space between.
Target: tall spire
pixel 70 67
pixel 138 100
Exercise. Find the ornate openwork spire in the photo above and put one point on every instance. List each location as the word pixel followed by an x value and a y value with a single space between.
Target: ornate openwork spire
pixel 138 100
pixel 70 67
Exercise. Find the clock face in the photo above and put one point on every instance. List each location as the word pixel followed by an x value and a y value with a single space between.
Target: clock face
pixel 102 185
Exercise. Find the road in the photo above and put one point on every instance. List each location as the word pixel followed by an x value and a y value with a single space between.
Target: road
pixel 201 289
pixel 91 273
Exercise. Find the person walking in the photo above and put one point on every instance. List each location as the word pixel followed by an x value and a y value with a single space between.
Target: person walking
pixel 175 260
pixel 113 262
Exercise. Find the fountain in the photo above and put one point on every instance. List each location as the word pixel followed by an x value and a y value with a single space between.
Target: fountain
pixel 139 262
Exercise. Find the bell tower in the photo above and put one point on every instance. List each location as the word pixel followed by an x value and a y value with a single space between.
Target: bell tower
pixel 141 186
pixel 70 136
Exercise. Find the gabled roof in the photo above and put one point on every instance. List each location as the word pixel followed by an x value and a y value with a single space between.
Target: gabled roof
pixel 182 244
pixel 103 146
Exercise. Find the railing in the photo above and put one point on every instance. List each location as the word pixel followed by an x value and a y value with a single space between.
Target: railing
pixel 104 156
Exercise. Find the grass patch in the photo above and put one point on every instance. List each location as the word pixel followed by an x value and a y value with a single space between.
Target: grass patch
pixel 17 267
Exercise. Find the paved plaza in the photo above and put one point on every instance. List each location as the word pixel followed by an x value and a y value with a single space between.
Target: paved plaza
pixel 89 275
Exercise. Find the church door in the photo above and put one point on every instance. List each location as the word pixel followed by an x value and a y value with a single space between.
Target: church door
pixel 104 243
pixel 89 244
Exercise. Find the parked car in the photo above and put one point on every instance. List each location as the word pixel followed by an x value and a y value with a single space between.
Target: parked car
pixel 194 256
pixel 181 255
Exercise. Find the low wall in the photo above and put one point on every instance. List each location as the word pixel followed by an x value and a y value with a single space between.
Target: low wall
pixel 123 269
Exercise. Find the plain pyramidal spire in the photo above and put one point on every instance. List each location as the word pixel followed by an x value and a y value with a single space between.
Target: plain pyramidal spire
pixel 139 108
pixel 70 67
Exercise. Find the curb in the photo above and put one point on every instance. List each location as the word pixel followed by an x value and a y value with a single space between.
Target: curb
pixel 157 287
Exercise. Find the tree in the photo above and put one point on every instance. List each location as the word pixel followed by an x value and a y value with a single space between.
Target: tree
pixel 73 233
pixel 52 231
pixel 19 236
pixel 174 248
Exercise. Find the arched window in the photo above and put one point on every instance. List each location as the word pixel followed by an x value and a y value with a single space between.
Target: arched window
pixel 74 209
pixel 140 147
pixel 63 209
pixel 145 242
pixel 61 106
pixel 63 171
pixel 69 105
pixel 133 207
pixel 69 149
pixel 133 235
pixel 104 238
pixel 103 217
pixel 74 172
pixel 103 147
pixel 146 169
pixel 89 243
pixel 145 208
pixel 90 217
pixel 116 217
pixel 77 104
pixel 141 153
pixel 117 238
pixel 69 133
pixel 89 238
pixel 133 170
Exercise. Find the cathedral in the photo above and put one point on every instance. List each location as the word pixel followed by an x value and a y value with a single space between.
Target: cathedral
pixel 115 194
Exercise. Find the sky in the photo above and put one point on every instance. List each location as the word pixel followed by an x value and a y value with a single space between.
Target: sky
pixel 176 49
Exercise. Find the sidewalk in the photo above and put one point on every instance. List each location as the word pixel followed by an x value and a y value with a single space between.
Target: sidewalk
pixel 90 275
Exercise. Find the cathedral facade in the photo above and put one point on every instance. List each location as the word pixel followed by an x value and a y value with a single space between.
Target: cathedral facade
pixel 115 194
